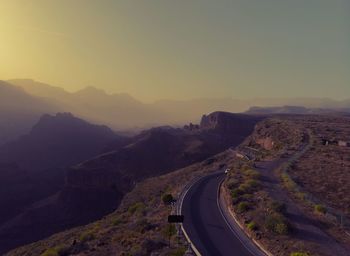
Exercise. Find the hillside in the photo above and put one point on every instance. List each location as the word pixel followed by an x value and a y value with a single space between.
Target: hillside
pixel 282 220
pixel 33 167
pixel 57 141
pixel 139 225
pixel 95 187
pixel 290 195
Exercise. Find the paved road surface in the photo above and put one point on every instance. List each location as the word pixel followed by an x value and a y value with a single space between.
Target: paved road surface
pixel 204 223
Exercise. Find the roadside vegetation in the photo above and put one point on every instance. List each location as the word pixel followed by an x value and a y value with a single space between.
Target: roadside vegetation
pixel 257 207
pixel 246 193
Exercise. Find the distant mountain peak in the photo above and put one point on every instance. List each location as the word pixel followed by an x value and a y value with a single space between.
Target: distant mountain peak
pixel 91 90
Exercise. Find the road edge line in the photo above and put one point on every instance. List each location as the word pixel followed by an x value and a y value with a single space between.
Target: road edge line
pixel 179 208
pixel 239 224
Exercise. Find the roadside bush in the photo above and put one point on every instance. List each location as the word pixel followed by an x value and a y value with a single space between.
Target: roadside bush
pixel 244 188
pixel 320 208
pixel 169 230
pixel 252 174
pixel 252 226
pixel 235 193
pixel 232 183
pixel 249 186
pixel 277 224
pixel 167 199
pixel 242 207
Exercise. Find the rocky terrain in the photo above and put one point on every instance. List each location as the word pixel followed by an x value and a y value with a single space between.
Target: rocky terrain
pixel 275 209
pixel 125 183
pixel 325 169
pixel 139 225
pixel 95 187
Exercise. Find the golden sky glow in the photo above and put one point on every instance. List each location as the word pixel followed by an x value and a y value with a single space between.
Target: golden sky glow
pixel 180 49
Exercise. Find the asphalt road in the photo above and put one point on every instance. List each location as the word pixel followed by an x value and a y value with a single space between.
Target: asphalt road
pixel 205 224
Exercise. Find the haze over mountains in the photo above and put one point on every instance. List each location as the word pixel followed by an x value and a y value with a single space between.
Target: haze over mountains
pixel 63 164
pixel 23 101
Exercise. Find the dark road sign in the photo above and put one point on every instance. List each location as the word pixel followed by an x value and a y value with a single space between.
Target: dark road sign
pixel 176 218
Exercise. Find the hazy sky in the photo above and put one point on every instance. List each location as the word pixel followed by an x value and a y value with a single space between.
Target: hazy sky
pixel 180 49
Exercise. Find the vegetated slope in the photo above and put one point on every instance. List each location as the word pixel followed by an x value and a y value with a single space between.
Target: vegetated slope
pixel 324 171
pixel 19 111
pixel 269 203
pixel 95 187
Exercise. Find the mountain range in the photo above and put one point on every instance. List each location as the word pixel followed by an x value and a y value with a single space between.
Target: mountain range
pixel 121 111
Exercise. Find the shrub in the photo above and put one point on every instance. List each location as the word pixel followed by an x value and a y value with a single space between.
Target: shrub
pixel 288 182
pixel 299 254
pixel 117 221
pixel 242 207
pixel 301 196
pixel 252 226
pixel 252 174
pixel 232 183
pixel 178 252
pixel 244 188
pixel 56 251
pixel 135 250
pixel 320 208
pixel 252 183
pixel 278 207
pixel 235 193
pixel 137 207
pixel 277 224
pixel 169 230
pixel 282 228
pixel 87 236
pixel 167 199
pixel 50 252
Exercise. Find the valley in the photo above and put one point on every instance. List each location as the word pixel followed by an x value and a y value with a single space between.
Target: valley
pixel 137 224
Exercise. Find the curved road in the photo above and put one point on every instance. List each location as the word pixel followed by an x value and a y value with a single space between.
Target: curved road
pixel 209 230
